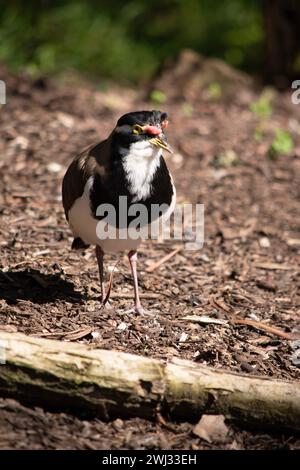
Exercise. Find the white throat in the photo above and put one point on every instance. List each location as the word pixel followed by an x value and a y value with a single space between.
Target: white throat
pixel 140 165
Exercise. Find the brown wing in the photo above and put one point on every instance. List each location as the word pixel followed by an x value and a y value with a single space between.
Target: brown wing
pixel 94 159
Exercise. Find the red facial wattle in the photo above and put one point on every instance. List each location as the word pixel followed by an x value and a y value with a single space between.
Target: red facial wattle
pixel 152 130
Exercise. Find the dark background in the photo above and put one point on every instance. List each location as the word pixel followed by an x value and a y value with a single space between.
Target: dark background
pixel 127 41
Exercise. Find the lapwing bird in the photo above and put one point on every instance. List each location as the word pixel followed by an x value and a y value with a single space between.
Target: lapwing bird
pixel 127 166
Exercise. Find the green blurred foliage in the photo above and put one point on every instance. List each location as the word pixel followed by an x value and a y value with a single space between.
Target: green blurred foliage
pixel 282 144
pixel 158 96
pixel 215 90
pixel 187 109
pixel 262 108
pixel 126 40
pixel 227 159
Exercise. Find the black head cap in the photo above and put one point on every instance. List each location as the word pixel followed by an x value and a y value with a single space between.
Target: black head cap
pixel 142 117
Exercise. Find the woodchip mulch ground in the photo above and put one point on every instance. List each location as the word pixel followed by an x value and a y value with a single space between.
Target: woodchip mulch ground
pixel 248 267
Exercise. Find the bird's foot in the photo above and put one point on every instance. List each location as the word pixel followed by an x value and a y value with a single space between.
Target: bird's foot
pixel 138 309
pixel 141 310
pixel 107 305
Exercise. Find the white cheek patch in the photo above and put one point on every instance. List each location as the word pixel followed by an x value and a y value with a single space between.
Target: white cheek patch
pixel 140 165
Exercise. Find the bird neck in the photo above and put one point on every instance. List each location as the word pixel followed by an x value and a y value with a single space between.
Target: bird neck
pixel 140 165
pixel 136 164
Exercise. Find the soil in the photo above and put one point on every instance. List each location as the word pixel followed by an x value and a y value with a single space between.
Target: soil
pixel 248 267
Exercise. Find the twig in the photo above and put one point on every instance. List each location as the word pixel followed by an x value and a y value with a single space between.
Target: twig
pixel 77 334
pixel 163 423
pixel 255 324
pixel 165 258
pixel 220 304
pixel 263 326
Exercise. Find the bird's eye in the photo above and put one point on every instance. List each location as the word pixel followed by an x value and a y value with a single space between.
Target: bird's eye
pixel 136 129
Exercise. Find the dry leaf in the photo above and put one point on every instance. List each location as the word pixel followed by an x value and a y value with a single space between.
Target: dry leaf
pixel 211 428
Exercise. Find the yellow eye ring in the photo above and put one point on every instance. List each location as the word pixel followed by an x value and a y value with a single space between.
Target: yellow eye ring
pixel 137 129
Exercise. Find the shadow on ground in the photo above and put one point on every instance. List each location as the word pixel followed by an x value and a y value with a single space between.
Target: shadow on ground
pixel 31 284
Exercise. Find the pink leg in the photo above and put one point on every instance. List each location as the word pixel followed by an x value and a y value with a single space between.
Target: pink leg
pixel 132 256
pixel 100 255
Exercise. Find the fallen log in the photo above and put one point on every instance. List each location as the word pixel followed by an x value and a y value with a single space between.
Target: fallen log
pixel 109 384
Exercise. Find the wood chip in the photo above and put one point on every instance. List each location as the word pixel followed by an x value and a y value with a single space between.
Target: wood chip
pixel 274 266
pixel 204 319
pixel 293 242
